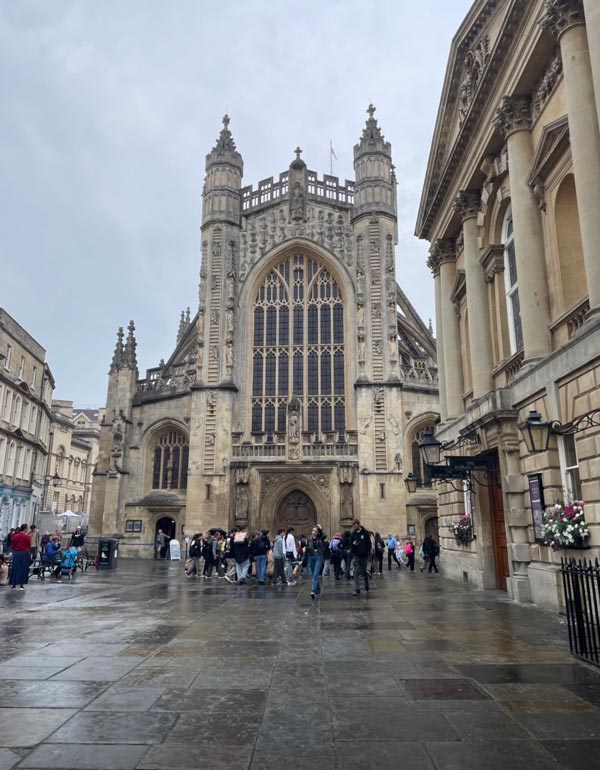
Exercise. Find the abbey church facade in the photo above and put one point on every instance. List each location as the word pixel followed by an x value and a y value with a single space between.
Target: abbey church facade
pixel 298 392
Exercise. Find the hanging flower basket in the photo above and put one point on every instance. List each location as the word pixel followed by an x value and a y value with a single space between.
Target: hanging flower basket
pixel 564 526
pixel 463 530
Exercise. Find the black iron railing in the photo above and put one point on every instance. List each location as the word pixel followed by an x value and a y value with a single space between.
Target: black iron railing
pixel 581 584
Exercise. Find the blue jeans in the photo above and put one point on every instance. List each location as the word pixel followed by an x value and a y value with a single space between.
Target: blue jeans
pixel 242 569
pixel 315 562
pixel 261 568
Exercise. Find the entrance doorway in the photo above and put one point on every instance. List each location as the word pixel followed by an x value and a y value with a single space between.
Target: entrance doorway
pixel 169 527
pixel 296 510
pixel 499 533
pixel 432 528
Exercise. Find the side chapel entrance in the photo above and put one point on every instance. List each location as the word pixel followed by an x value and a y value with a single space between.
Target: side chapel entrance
pixel 296 510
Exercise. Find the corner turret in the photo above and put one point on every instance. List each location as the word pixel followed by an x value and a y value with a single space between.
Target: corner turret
pixel 375 190
pixel 222 183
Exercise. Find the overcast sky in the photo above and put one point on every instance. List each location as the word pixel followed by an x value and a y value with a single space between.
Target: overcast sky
pixel 108 108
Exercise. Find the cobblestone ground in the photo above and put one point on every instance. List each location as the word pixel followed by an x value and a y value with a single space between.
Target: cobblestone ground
pixel 145 668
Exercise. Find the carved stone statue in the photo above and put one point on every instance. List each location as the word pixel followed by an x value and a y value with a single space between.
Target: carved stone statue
pixel 241 502
pixel 294 428
pixel 347 503
pixel 297 203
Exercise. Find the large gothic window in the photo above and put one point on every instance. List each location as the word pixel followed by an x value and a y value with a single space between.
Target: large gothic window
pixel 170 461
pixel 298 348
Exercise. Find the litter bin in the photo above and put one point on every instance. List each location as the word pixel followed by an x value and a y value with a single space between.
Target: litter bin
pixel 108 550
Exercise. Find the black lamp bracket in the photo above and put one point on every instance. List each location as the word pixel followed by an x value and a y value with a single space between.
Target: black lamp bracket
pixel 588 420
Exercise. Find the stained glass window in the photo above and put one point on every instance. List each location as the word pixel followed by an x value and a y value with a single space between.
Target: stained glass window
pixel 298 347
pixel 170 461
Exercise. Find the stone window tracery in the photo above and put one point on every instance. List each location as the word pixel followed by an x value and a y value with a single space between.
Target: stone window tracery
pixel 511 282
pixel 170 461
pixel 298 348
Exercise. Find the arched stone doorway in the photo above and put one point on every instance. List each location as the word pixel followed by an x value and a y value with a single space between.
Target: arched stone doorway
pixel 432 528
pixel 296 510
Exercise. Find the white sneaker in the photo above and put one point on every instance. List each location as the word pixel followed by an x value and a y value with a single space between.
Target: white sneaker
pixel 293 583
pixel 227 578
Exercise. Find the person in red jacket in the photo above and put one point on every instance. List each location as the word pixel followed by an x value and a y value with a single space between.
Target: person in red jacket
pixel 21 546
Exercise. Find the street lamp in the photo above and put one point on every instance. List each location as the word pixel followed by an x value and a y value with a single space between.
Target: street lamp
pixel 412 483
pixel 430 447
pixel 536 432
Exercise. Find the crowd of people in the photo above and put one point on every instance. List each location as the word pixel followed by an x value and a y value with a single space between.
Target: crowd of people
pixel 356 554
pixel 24 548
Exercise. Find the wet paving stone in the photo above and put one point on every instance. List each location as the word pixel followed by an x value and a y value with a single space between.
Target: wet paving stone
pixel 544 672
pixel 491 755
pixel 575 755
pixel 443 689
pixel 191 757
pixel 127 699
pixel 212 701
pixel 8 759
pixel 67 757
pixel 389 755
pixel 152 671
pixel 99 669
pixel 115 727
pixel 21 727
pixel 577 726
pixel 73 695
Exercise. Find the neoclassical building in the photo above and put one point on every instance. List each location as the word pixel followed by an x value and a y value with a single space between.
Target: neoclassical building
pixel 297 392
pixel 511 206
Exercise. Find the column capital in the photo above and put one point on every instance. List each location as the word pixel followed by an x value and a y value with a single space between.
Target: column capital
pixel 560 15
pixel 441 250
pixel 513 114
pixel 467 204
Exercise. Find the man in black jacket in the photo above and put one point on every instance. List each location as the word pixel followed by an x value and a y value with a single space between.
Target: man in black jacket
pixel 361 550
pixel 431 549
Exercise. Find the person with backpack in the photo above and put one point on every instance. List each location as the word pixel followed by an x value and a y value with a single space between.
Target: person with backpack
pixel 279 558
pixel 241 554
pixel 335 549
pixel 346 547
pixel 431 549
pixel 228 558
pixel 209 554
pixel 409 550
pixel 378 551
pixel 361 549
pixel 291 554
pixel 195 553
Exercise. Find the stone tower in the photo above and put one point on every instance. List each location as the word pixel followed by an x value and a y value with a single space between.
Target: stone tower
pixel 213 392
pixel 378 385
pixel 110 475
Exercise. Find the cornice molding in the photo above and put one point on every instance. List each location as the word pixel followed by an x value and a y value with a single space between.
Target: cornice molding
pixel 444 161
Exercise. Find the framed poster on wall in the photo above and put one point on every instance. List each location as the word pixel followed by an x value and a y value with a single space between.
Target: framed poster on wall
pixel 536 495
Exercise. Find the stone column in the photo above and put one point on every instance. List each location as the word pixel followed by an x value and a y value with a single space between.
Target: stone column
pixel 513 119
pixel 565 19
pixel 467 206
pixel 592 23
pixel 444 252
pixel 434 264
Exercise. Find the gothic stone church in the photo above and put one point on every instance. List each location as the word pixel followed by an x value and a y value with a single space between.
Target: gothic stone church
pixel 298 392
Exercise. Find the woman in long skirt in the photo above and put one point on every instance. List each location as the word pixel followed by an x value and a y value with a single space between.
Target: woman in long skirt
pixel 21 546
